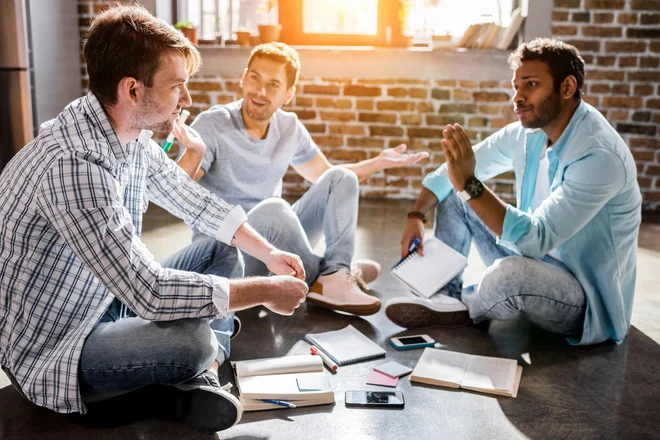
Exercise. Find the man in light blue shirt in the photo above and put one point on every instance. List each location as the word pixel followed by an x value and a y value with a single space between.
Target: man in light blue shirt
pixel 565 257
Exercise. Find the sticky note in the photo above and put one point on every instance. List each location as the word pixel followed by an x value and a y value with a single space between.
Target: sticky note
pixel 378 378
pixel 393 369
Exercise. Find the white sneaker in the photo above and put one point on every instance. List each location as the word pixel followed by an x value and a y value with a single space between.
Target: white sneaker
pixel 365 272
pixel 445 311
pixel 339 291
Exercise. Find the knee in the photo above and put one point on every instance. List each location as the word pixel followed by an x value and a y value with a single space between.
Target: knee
pixel 193 342
pixel 343 176
pixel 270 211
pixel 501 279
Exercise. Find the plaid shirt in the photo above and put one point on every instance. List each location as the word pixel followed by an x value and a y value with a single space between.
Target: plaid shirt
pixel 71 205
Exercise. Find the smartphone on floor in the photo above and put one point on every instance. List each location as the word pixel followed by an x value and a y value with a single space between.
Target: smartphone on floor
pixel 382 399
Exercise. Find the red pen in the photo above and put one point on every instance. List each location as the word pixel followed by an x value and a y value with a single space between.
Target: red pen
pixel 326 360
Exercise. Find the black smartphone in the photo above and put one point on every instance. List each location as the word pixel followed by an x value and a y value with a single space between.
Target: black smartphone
pixel 386 399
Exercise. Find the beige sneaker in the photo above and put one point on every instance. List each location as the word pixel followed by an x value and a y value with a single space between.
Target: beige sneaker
pixel 339 291
pixel 365 272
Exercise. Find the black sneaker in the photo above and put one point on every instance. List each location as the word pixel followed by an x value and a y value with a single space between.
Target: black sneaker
pixel 237 327
pixel 205 405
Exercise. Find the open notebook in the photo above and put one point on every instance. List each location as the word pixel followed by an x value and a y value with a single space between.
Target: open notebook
pixel 428 274
pixel 346 346
pixel 477 373
pixel 300 380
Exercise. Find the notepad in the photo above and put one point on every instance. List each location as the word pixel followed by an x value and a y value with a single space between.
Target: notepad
pixel 430 273
pixel 300 380
pixel 477 373
pixel 346 346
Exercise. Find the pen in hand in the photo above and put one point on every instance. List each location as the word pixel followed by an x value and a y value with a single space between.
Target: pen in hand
pixel 412 248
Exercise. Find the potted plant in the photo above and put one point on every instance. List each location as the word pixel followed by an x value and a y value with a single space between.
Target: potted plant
pixel 189 30
pixel 243 36
pixel 269 32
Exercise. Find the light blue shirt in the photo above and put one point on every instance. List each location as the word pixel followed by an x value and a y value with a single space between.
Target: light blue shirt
pixel 591 216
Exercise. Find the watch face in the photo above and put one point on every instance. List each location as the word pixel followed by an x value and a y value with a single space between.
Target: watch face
pixel 474 187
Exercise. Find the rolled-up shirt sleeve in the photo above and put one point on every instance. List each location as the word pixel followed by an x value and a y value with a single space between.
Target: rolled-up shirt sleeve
pixel 588 184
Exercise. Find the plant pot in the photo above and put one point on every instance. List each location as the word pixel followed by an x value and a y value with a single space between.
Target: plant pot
pixel 191 34
pixel 243 38
pixel 269 32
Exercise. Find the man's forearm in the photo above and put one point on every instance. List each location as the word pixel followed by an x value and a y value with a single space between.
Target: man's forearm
pixel 190 163
pixel 426 201
pixel 490 209
pixel 251 242
pixel 364 168
pixel 247 292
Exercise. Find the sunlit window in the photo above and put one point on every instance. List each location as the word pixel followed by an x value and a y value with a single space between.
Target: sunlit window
pixel 350 17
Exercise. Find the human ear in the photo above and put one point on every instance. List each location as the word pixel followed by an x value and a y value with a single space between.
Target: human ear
pixel 290 94
pixel 568 87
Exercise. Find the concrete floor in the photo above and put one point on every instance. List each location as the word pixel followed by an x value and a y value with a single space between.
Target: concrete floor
pixel 165 235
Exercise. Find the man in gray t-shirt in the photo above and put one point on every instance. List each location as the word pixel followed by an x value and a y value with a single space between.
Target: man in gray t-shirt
pixel 250 144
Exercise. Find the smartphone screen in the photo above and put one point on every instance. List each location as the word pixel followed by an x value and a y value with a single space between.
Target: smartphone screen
pixel 410 340
pixel 375 398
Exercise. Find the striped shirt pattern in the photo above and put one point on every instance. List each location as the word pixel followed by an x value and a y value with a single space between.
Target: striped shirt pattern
pixel 71 205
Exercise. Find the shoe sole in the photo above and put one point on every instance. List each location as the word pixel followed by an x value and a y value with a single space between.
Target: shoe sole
pixel 416 315
pixel 356 309
pixel 209 409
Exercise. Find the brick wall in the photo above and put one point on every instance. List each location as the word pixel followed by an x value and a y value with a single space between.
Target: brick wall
pixel 620 42
pixel 354 118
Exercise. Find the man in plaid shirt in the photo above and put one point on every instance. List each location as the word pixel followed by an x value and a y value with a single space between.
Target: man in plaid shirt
pixel 86 313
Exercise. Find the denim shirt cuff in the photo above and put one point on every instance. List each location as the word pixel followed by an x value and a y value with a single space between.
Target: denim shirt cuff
pixel 438 183
pixel 516 224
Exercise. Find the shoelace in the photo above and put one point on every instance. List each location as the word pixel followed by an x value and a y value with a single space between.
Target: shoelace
pixel 354 277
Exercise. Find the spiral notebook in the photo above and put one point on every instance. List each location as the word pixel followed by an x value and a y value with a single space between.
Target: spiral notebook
pixel 430 273
pixel 346 346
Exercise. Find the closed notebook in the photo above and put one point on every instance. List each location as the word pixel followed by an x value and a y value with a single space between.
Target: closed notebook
pixel 430 273
pixel 476 373
pixel 346 346
pixel 280 379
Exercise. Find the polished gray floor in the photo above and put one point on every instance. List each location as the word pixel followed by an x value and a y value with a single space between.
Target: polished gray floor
pixel 604 391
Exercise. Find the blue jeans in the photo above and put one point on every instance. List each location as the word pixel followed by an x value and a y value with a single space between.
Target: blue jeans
pixel 124 352
pixel 541 291
pixel 329 208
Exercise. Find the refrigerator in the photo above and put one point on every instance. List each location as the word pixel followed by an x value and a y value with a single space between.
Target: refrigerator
pixel 16 85
pixel 39 67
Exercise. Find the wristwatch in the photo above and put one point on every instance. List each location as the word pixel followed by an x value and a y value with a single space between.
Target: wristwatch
pixel 473 189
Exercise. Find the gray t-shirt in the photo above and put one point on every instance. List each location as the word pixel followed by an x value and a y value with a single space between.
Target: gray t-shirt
pixel 242 170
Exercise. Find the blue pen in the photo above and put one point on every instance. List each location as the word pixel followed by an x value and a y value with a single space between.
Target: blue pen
pixel 279 402
pixel 412 248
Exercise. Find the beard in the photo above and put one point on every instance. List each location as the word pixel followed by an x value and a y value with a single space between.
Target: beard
pixel 149 118
pixel 257 115
pixel 546 112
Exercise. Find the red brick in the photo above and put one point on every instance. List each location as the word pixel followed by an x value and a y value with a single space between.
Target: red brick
pixel 489 84
pixel 653 170
pixel 645 32
pixel 396 105
pixel 644 182
pixel 388 118
pixel 358 130
pixel 200 98
pixel 559 16
pixel 645 5
pixel 440 94
pixel 564 30
pixel 334 103
pixel 617 115
pixel 404 172
pixel 233 86
pixel 567 4
pixel 378 81
pixel 625 46
pixel 305 114
pixel 314 127
pixel 653 103
pixel 304 101
pixel 606 61
pixel 478 122
pixel 604 4
pixel 642 156
pixel 364 104
pixel 206 86
pixel 603 18
pixel 317 89
pixel 650 19
pixel 491 97
pixel 444 120
pixel 398 92
pixel 628 62
pixel 347 155
pixel 627 18
pixel 599 88
pixel 643 89
pixel 411 119
pixel 362 91
pixel 649 130
pixel 469 84
pixel 337 116
pixel 601 31
pixel 410 81
pixel 416 92
pixel 642 116
pixel 654 46
pixel 457 108
pixel 646 76
pixel 649 62
pixel 621 89
pixel 629 102
pixel 489 109
pixel 445 83
pixel 462 95
pixel 385 130
pixel 644 142
pixel 329 141
pixel 424 132
pixel 581 17
pixel 585 45
pixel 612 75
pixel 366 142
pixel 425 107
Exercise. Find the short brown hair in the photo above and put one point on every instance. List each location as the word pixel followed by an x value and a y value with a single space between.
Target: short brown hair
pixel 127 41
pixel 562 58
pixel 281 53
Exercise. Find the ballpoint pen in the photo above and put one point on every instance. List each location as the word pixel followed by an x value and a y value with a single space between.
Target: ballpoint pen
pixel 411 249
pixel 279 402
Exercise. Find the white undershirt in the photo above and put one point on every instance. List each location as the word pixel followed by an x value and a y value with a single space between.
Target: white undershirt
pixel 542 190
